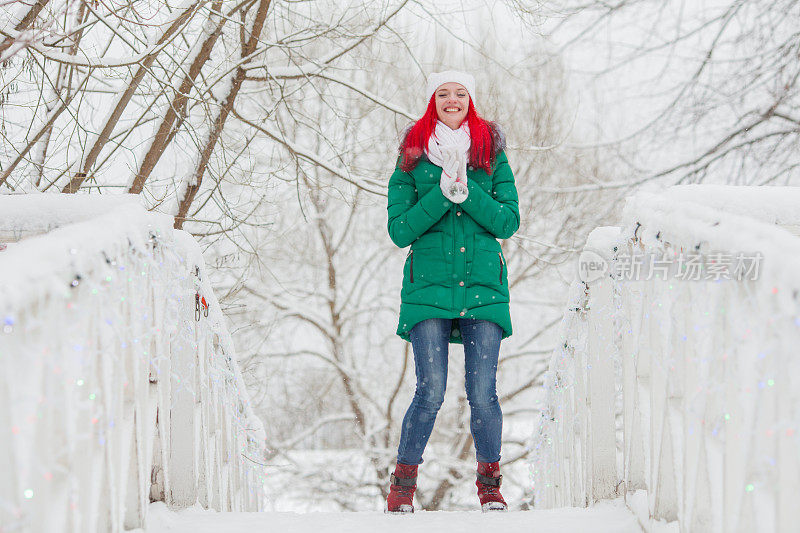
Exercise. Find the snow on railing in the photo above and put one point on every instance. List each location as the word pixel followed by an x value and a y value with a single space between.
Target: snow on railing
pixel 575 460
pixel 118 380
pixel 703 344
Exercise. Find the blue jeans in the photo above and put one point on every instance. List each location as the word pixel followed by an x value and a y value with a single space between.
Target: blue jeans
pixel 429 340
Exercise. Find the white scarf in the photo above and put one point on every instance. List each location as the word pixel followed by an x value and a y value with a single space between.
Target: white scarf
pixel 444 136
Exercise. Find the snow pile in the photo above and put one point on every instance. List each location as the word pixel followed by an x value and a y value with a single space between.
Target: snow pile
pixel 119 379
pixel 689 226
pixel 773 205
pixel 82 240
pixel 23 215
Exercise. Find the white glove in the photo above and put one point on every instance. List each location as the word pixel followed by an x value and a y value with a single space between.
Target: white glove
pixel 462 168
pixel 453 189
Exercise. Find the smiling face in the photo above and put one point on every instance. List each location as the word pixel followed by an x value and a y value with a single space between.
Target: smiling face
pixel 452 101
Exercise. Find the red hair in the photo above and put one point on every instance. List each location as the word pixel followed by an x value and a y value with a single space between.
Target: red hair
pixel 481 154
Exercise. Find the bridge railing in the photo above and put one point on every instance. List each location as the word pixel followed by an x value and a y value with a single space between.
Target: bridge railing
pixel 575 461
pixel 118 380
pixel 705 427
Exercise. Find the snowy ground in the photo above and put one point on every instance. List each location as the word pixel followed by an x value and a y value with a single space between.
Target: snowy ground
pixel 301 481
pixel 604 517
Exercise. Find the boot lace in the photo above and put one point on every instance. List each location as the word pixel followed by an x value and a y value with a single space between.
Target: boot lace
pixel 408 492
pixel 491 490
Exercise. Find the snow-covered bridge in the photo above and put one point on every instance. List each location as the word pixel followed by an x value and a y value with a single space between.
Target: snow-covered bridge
pixel 672 403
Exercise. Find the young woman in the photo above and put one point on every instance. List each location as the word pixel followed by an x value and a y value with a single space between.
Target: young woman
pixel 451 196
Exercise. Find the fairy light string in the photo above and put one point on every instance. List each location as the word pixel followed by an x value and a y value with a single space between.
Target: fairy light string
pixel 69 356
pixel 737 337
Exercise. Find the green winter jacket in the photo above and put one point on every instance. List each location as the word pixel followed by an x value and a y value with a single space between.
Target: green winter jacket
pixel 455 267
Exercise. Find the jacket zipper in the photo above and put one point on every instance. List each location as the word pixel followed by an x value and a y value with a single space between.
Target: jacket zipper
pixel 501 267
pixel 411 265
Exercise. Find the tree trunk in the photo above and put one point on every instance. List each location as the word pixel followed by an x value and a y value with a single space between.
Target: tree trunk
pixel 176 113
pixel 124 99
pixel 23 24
pixel 219 123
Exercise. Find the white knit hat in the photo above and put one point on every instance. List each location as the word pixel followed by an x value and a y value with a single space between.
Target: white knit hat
pixel 435 79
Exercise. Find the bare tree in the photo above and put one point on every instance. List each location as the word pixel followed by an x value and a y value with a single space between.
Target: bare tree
pixel 174 68
pixel 722 83
pixel 248 47
pixel 144 65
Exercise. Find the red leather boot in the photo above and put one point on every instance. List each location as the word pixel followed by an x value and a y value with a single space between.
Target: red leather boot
pixel 488 484
pixel 401 491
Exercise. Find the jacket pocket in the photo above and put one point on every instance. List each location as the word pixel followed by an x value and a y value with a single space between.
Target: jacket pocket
pixel 487 262
pixel 501 267
pixel 427 264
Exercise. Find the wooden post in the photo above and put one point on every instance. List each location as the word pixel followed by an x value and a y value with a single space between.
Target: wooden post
pixel 182 468
pixel 601 352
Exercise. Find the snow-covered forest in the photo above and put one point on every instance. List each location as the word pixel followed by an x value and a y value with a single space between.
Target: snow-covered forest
pixel 268 130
